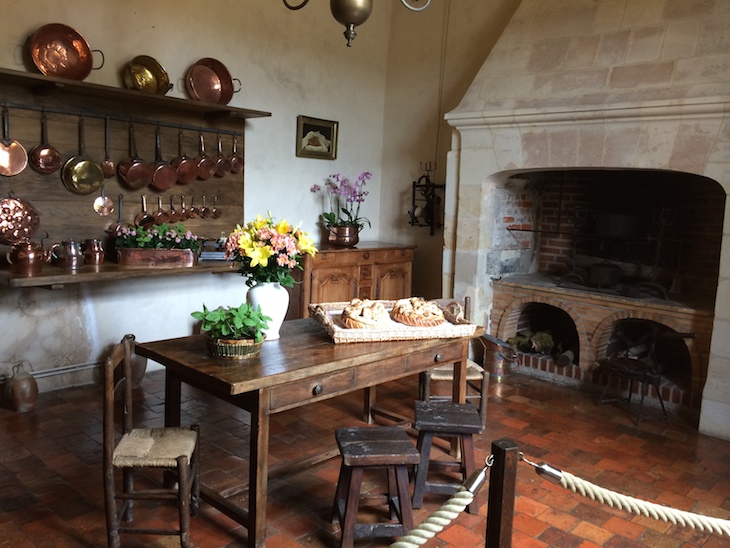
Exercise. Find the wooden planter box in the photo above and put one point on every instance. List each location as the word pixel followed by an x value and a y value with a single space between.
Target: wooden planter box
pixel 157 258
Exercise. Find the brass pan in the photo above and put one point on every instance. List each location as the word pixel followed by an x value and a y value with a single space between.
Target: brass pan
pixel 145 74
pixel 81 174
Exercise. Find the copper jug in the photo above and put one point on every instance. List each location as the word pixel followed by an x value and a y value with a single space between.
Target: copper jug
pixel 68 255
pixel 21 390
pixel 27 258
pixel 93 252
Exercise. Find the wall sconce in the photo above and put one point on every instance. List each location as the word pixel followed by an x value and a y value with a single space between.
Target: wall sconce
pixel 425 203
pixel 352 13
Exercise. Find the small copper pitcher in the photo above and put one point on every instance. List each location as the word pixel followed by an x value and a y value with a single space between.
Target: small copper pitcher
pixel 93 251
pixel 68 255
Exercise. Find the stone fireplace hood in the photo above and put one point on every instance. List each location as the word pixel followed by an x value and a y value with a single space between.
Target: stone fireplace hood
pixel 593 84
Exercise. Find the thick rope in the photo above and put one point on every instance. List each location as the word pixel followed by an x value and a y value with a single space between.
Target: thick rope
pixel 437 521
pixel 648 509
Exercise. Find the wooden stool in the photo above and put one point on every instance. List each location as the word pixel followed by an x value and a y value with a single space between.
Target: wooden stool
pixel 386 447
pixel 445 419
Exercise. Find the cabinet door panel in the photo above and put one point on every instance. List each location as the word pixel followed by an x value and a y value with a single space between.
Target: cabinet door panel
pixel 393 281
pixel 334 284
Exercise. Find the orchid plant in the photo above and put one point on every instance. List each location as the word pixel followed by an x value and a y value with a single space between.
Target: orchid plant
pixel 345 198
pixel 268 250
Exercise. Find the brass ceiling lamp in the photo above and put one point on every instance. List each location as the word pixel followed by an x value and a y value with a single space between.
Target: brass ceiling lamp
pixel 352 13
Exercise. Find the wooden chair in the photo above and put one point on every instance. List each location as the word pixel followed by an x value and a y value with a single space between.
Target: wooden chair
pixel 143 449
pixel 477 378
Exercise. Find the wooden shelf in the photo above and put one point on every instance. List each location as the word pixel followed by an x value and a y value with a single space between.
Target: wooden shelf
pixel 53 277
pixel 38 84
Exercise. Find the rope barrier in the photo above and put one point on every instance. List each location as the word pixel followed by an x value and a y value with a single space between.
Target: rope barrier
pixel 630 504
pixel 449 510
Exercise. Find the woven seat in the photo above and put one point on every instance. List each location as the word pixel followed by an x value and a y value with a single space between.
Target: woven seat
pixel 375 447
pixel 172 450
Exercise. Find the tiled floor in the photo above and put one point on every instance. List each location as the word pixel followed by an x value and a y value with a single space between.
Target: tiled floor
pixel 51 488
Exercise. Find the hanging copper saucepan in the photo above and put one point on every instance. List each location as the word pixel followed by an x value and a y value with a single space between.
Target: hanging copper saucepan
pixel 236 158
pixel 45 158
pixel 143 218
pixel 185 166
pixel 173 214
pixel 103 205
pixel 205 164
pixel 107 166
pixel 209 81
pixel 133 170
pixel 222 163
pixel 81 174
pixel 164 175
pixel 13 156
pixel 58 50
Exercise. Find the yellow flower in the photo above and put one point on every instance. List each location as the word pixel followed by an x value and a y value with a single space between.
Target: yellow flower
pixel 259 255
pixel 305 243
pixel 282 227
pixel 259 223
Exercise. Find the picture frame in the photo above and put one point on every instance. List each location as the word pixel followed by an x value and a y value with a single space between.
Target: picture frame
pixel 316 138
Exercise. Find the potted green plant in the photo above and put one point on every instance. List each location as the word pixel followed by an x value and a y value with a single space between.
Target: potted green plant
pixel 233 332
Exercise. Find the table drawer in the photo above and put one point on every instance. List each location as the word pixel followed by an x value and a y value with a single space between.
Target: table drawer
pixel 328 385
pixel 319 387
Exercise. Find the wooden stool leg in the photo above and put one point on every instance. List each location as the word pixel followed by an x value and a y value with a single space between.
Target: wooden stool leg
pixel 425 439
pixel 467 459
pixel 353 500
pixel 343 484
pixel 392 493
pixel 404 499
pixel 183 493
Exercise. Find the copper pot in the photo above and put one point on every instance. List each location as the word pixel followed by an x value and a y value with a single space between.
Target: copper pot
pixel 206 164
pixel 133 170
pixel 27 258
pixel 81 174
pixel 145 74
pixel 222 163
pixel 45 158
pixel 185 166
pixel 13 156
pixel 164 175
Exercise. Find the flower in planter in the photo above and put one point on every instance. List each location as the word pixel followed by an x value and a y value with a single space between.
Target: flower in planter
pixel 162 236
pixel 268 251
pixel 344 198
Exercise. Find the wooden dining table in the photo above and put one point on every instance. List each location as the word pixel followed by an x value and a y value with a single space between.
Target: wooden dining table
pixel 303 366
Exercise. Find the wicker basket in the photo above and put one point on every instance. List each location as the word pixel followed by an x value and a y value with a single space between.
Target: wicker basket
pixel 234 349
pixel 328 315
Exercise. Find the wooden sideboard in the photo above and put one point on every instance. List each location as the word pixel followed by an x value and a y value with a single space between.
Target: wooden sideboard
pixel 371 270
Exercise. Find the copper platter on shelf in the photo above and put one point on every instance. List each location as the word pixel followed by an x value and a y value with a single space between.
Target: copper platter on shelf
pixel 209 81
pixel 18 220
pixel 58 50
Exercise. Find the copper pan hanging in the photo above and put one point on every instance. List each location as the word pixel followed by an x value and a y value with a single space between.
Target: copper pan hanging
pixel 13 156
pixel 45 158
pixel 58 50
pixel 81 174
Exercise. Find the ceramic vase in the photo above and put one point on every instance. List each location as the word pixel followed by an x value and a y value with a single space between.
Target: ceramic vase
pixel 21 390
pixel 274 301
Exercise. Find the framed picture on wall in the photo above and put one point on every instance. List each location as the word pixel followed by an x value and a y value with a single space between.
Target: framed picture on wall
pixel 316 138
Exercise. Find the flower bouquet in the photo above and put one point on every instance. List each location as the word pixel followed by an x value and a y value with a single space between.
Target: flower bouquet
pixel 268 251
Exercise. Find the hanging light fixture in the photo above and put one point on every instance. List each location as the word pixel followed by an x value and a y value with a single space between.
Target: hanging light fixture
pixel 352 13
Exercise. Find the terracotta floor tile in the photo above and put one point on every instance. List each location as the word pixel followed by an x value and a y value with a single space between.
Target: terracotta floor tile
pixel 51 494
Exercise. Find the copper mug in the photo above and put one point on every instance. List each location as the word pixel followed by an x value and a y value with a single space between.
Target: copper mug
pixel 68 255
pixel 93 251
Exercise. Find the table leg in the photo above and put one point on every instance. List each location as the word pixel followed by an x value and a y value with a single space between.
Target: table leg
pixel 258 471
pixel 172 398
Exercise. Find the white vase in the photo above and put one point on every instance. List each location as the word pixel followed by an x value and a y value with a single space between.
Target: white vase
pixel 274 301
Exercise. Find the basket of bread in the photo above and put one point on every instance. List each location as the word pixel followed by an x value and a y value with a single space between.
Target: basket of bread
pixel 364 320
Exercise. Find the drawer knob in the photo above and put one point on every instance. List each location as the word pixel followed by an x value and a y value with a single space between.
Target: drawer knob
pixel 437 358
pixel 317 390
pixel 366 255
